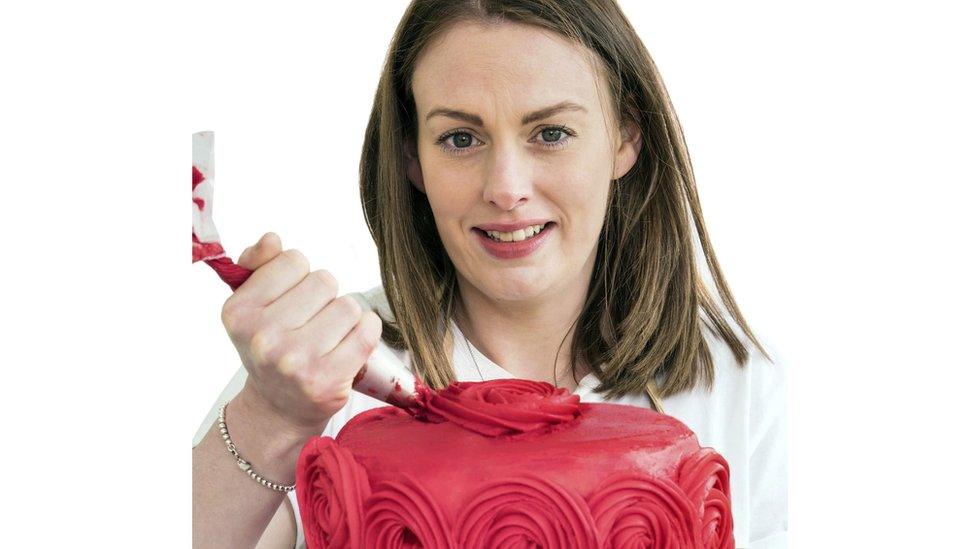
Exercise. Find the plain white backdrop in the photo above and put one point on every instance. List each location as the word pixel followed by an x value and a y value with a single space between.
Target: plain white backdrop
pixel 833 146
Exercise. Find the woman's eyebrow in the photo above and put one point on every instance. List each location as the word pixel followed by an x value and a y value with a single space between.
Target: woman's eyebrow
pixel 534 116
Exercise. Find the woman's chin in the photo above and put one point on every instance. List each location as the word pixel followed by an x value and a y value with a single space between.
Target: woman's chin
pixel 515 289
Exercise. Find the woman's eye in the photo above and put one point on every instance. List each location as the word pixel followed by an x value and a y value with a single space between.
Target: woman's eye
pixel 551 132
pixel 460 140
pixel 456 142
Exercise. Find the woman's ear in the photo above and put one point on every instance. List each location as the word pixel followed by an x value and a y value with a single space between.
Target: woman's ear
pixel 629 149
pixel 412 160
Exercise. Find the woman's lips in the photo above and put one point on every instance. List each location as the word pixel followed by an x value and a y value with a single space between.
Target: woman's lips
pixel 513 250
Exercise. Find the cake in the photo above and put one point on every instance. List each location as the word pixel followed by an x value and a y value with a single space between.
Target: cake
pixel 513 463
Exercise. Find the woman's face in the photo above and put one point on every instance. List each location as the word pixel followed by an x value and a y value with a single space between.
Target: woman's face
pixel 496 167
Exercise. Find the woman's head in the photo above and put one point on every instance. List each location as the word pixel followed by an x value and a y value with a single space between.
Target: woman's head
pixel 612 175
pixel 481 153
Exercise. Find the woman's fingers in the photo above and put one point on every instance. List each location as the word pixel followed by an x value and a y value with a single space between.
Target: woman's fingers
pixel 348 357
pixel 299 304
pixel 301 345
pixel 329 326
pixel 273 279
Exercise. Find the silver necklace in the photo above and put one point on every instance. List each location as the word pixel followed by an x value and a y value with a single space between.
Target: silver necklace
pixel 473 359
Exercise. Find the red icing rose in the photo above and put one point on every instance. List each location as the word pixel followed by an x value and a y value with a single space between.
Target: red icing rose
pixel 331 487
pixel 499 407
pixel 632 510
pixel 526 512
pixel 704 476
pixel 402 514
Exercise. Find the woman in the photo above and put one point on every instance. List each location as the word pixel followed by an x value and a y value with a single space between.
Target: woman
pixel 540 122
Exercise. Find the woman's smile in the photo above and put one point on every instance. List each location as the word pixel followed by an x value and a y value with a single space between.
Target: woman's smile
pixel 516 244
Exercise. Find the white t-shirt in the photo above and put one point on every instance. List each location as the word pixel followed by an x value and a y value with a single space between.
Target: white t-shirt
pixel 743 417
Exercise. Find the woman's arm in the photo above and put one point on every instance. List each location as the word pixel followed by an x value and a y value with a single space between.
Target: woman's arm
pixel 229 508
pixel 281 532
pixel 301 347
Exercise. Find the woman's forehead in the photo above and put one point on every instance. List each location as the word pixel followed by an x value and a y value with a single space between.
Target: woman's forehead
pixel 474 65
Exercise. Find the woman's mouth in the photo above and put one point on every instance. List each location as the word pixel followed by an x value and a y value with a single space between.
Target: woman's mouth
pixel 515 244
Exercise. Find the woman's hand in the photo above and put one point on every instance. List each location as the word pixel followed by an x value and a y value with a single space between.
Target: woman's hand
pixel 301 345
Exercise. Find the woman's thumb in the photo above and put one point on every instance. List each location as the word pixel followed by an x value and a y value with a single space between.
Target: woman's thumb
pixel 266 249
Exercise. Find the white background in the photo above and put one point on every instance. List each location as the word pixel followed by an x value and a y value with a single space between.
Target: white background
pixel 833 145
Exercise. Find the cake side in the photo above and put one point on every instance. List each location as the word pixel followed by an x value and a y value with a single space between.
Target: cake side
pixel 602 475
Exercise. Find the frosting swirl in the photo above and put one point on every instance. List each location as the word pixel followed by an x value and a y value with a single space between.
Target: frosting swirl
pixel 402 514
pixel 501 407
pixel 330 486
pixel 632 510
pixel 704 476
pixel 526 512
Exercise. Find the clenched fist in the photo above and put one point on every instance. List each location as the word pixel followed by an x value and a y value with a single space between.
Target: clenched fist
pixel 301 345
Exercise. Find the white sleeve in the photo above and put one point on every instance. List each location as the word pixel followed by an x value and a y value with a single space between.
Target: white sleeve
pixel 768 468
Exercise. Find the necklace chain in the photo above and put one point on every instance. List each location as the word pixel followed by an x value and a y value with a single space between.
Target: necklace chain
pixel 473 359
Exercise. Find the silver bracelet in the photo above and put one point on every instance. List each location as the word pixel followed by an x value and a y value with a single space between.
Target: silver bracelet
pixel 241 462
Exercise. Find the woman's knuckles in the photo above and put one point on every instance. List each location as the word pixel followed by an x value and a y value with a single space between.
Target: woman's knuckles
pixel 326 280
pixel 293 365
pixel 347 306
pixel 264 344
pixel 295 260
pixel 231 317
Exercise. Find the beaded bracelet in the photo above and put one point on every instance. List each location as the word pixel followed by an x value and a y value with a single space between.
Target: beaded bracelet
pixel 241 462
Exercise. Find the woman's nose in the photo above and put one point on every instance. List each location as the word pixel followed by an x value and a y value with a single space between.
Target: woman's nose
pixel 509 178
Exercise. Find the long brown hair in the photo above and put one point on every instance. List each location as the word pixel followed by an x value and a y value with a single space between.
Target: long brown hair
pixel 641 327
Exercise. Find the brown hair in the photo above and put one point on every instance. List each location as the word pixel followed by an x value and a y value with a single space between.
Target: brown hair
pixel 640 327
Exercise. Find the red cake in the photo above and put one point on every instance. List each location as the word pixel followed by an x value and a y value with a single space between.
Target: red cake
pixel 513 463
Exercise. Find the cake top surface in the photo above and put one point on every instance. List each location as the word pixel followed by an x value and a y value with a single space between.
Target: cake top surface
pixel 472 432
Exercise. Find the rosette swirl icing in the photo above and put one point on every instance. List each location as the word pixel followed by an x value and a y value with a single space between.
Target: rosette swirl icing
pixel 500 407
pixel 513 463
pixel 526 512
pixel 632 510
pixel 331 487
pixel 402 514
pixel 704 476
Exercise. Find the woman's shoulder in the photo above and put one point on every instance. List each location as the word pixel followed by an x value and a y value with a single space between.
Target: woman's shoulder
pixel 738 391
pixel 375 299
pixel 759 370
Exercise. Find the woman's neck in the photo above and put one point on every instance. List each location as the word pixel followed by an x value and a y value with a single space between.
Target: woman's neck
pixel 523 338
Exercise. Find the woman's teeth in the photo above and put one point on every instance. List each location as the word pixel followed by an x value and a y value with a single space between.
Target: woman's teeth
pixel 516 236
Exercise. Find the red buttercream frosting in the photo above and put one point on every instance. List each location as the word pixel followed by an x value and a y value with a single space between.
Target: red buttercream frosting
pixel 330 494
pixel 704 477
pixel 513 463
pixel 633 510
pixel 499 408
pixel 526 509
